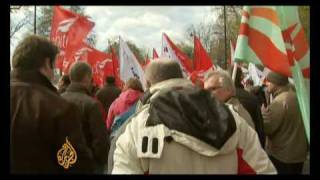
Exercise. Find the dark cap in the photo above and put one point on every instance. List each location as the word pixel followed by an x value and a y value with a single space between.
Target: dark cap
pixel 277 79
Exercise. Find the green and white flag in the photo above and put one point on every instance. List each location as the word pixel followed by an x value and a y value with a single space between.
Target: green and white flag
pixel 273 36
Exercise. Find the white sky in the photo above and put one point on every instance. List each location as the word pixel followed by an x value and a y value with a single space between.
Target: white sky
pixel 142 25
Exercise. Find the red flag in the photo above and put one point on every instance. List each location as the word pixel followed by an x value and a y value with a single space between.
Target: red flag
pixel 68 30
pixel 147 61
pixel 197 77
pixel 202 61
pixel 155 54
pixel 75 53
pixel 101 64
pixel 173 52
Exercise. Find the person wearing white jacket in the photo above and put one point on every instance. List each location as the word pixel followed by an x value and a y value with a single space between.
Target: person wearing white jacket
pixel 182 129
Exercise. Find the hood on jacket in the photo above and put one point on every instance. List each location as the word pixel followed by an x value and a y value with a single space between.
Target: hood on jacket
pixel 126 100
pixel 183 109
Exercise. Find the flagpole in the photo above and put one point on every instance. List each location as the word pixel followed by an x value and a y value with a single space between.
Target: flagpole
pixel 119 52
pixel 225 37
pixel 35 21
pixel 234 71
pixel 162 44
pixel 194 37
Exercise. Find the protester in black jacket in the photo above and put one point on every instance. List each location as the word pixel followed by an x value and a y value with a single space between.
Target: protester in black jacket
pixel 45 131
pixel 92 122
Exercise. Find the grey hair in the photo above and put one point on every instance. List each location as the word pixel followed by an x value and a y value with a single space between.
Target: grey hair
pixel 225 79
pixel 79 70
pixel 162 69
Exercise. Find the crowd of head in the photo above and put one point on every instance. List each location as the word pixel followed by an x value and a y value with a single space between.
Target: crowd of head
pixel 177 125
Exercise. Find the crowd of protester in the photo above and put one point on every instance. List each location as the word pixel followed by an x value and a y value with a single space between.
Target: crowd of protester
pixel 174 126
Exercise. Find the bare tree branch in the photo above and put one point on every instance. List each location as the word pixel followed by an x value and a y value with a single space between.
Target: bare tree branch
pixel 16 26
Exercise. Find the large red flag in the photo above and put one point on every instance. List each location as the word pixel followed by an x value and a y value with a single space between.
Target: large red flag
pixel 202 61
pixel 155 54
pixel 170 50
pixel 100 62
pixel 68 31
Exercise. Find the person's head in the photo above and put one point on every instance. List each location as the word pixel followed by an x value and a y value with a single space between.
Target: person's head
pixel 134 84
pixel 110 80
pixel 162 69
pixel 275 81
pixel 220 84
pixel 81 72
pixel 35 53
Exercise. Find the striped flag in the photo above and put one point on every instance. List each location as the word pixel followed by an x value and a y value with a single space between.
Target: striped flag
pixel 273 36
pixel 264 39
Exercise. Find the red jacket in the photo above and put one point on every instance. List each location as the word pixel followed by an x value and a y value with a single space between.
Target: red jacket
pixel 122 104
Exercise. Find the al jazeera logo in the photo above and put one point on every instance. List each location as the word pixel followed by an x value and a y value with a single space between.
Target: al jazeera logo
pixel 67 155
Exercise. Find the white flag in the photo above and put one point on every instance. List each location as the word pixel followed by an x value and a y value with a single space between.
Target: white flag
pixel 129 65
pixel 169 52
pixel 256 75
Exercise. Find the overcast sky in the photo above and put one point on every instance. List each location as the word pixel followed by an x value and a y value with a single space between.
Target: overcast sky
pixel 142 25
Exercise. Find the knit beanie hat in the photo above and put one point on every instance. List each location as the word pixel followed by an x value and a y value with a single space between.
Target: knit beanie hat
pixel 277 79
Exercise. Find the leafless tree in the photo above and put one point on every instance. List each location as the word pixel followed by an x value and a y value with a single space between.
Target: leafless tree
pixel 16 25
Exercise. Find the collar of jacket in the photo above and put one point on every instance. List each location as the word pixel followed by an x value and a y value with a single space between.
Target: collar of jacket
pixel 162 86
pixel 109 85
pixel 33 77
pixel 233 100
pixel 281 90
pixel 192 111
pixel 77 87
pixel 169 84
